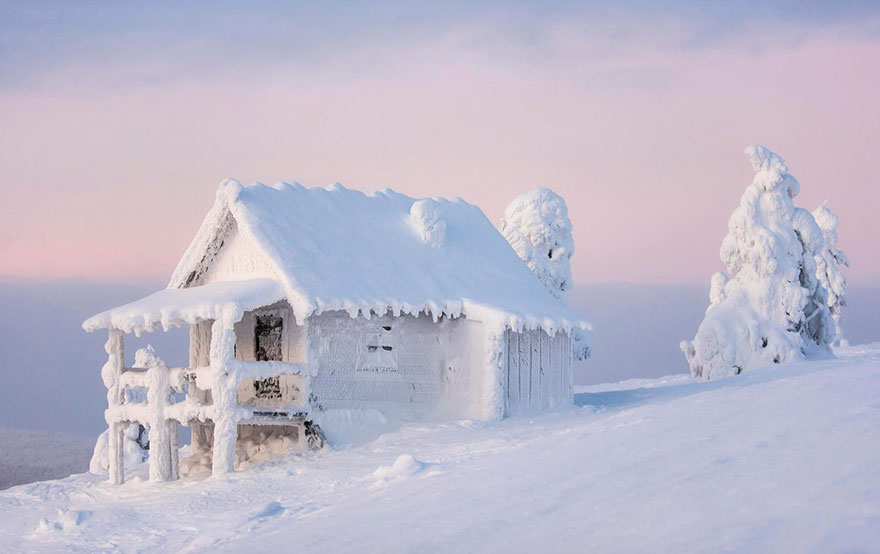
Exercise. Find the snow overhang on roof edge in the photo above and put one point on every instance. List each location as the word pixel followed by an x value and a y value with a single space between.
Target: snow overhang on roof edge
pixel 227 301
pixel 224 301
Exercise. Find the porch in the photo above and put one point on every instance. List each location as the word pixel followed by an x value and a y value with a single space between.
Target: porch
pixel 216 395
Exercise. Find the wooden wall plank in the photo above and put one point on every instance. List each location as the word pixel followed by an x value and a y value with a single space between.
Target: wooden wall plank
pixel 524 377
pixel 547 377
pixel 512 373
pixel 535 369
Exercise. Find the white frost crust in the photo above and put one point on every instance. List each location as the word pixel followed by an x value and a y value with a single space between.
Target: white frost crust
pixel 225 301
pixel 340 249
pixel 773 308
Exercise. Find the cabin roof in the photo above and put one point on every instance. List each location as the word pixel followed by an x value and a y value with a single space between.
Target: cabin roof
pixel 225 300
pixel 339 249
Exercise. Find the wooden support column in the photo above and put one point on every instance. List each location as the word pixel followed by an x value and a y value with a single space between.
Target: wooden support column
pixel 226 415
pixel 111 373
pixel 158 393
pixel 114 452
pixel 173 427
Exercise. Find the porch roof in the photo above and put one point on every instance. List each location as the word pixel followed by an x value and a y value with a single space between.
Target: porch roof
pixel 226 301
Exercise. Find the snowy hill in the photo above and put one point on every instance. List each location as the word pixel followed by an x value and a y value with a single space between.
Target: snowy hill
pixel 781 459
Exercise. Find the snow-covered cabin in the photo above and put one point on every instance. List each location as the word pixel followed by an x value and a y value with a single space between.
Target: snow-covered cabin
pixel 304 301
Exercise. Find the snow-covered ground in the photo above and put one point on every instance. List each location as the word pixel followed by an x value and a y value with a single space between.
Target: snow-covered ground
pixel 782 459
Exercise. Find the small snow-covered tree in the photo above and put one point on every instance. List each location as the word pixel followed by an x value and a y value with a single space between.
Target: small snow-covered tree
pixel 135 448
pixel 536 225
pixel 772 308
pixel 829 266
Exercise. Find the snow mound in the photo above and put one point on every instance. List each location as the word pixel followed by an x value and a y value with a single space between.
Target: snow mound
pixel 351 426
pixel 428 222
pixel 404 466
pixel 66 521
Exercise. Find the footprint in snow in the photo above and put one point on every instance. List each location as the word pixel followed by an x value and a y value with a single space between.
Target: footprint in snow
pixel 269 510
pixel 67 521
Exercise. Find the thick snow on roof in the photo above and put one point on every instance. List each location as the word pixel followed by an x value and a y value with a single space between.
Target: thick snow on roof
pixel 339 249
pixel 226 301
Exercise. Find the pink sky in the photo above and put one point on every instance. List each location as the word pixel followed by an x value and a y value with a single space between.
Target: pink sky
pixel 110 181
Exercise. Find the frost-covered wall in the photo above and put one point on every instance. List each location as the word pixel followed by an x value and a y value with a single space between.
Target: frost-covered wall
pixel 398 365
pixel 537 371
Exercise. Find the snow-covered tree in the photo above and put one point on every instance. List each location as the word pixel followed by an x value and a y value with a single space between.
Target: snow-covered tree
pixel 536 225
pixel 772 308
pixel 829 266
pixel 135 448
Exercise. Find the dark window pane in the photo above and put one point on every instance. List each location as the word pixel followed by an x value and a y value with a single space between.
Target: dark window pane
pixel 267 338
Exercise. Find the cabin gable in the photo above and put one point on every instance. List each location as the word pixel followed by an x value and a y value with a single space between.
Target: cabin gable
pixel 232 256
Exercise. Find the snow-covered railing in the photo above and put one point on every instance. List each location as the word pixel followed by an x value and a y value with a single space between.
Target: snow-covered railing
pixel 265 369
pixel 162 412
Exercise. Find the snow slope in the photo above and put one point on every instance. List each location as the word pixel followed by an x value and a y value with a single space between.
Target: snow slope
pixel 785 458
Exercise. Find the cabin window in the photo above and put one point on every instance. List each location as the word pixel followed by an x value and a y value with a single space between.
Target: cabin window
pixel 267 347
pixel 379 351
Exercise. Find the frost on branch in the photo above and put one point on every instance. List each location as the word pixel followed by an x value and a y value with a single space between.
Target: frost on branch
pixel 830 262
pixel 536 225
pixel 772 308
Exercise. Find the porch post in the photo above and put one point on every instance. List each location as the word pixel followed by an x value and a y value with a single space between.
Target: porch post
pixel 225 402
pixel 160 443
pixel 175 449
pixel 114 452
pixel 110 373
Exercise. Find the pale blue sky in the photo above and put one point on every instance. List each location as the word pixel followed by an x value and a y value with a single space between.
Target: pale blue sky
pixel 120 119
